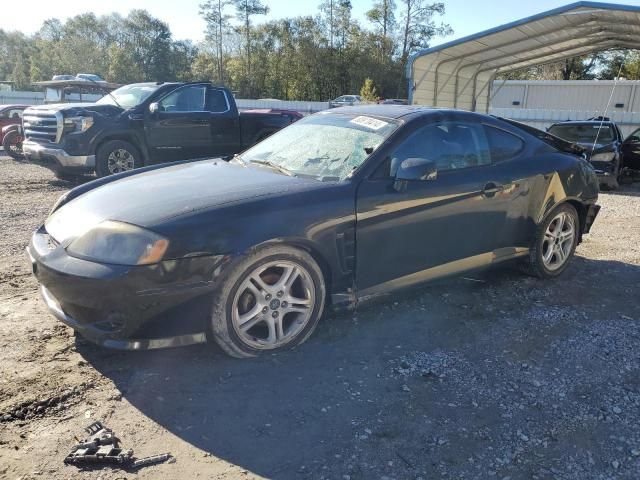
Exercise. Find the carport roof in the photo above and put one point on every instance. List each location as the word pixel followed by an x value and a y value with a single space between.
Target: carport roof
pixel 439 74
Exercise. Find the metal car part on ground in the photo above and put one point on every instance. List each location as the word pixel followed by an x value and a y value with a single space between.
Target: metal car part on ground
pixel 251 252
pixel 102 447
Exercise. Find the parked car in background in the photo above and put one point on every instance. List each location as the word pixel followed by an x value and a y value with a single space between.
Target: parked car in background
pixel 602 140
pixel 63 77
pixel 10 129
pixel 268 240
pixel 142 124
pixel 393 101
pixel 89 77
pixel 631 155
pixel 345 101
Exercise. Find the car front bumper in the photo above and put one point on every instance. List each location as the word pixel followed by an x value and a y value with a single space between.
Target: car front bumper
pixel 123 307
pixel 57 159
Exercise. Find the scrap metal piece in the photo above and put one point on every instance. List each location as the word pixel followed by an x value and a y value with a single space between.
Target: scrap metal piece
pixel 152 460
pixel 103 447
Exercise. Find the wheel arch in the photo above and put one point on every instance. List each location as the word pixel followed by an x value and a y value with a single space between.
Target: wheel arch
pixel 581 210
pixel 125 137
pixel 308 247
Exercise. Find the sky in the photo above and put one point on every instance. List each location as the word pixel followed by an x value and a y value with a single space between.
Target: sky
pixel 465 16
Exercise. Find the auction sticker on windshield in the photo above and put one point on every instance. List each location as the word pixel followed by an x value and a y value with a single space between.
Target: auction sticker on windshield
pixel 368 122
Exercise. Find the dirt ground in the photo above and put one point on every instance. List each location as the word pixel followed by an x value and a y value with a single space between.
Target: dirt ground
pixel 494 375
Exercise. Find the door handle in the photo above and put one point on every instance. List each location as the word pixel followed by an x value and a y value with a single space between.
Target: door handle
pixel 491 188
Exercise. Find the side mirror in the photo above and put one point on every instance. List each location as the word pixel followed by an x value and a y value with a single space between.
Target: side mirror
pixel 417 169
pixel 154 108
pixel 414 169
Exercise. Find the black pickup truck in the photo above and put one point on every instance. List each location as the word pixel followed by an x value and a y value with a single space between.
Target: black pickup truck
pixel 142 124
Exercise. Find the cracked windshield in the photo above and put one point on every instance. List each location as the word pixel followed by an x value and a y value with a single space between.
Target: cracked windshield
pixel 328 147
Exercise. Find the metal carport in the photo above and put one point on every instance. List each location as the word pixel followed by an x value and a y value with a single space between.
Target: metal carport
pixel 459 74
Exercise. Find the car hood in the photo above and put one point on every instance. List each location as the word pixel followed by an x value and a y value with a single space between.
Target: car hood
pixel 151 197
pixel 598 146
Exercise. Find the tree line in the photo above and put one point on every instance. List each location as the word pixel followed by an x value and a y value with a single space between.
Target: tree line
pixel 314 57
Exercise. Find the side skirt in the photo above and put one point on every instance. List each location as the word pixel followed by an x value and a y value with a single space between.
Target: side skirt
pixel 440 271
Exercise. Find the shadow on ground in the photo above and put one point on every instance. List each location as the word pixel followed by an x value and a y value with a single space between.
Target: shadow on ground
pixel 274 415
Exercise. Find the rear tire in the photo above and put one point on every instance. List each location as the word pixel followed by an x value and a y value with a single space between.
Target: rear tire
pixel 12 144
pixel 555 242
pixel 117 156
pixel 270 301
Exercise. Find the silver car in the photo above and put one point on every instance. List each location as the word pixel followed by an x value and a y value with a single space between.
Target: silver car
pixel 345 101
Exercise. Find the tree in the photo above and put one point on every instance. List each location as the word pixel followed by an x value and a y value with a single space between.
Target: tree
pixel 245 9
pixel 368 91
pixel 149 40
pixel 122 66
pixel 218 25
pixel 419 27
pixel 382 15
pixel 204 66
pixel 303 58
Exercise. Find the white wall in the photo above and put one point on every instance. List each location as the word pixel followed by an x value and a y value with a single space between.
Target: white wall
pixel 583 95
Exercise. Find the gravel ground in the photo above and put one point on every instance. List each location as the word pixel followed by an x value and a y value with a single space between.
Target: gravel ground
pixel 494 375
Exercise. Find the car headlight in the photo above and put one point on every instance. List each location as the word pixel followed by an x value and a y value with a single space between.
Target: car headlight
pixel 604 157
pixel 77 124
pixel 119 243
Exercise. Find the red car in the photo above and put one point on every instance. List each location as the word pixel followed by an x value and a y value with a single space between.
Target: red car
pixel 10 115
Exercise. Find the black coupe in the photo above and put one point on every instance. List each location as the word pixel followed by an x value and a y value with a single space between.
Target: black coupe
pixel 339 207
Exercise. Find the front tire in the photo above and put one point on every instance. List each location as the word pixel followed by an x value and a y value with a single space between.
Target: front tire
pixel 554 244
pixel 117 156
pixel 12 144
pixel 270 301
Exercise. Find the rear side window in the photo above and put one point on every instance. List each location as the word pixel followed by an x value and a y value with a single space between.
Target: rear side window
pixel 502 145
pixel 186 99
pixel 217 101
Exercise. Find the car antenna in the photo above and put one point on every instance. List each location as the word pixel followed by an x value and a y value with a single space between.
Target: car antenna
pixel 108 92
pixel 604 115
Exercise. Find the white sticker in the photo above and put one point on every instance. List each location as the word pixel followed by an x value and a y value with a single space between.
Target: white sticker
pixel 372 123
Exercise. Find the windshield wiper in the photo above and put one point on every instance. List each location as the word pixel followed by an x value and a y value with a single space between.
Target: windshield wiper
pixel 274 166
pixel 237 159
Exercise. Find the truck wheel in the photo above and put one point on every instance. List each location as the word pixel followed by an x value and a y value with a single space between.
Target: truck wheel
pixel 12 144
pixel 117 156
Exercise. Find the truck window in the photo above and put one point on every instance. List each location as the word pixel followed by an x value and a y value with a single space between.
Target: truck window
pixel 217 101
pixel 186 99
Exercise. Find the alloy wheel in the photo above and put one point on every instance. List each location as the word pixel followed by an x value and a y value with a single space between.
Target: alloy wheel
pixel 120 160
pixel 273 304
pixel 558 241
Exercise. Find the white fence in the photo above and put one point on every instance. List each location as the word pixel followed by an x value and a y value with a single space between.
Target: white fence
pixel 543 118
pixel 583 95
pixel 37 98
pixel 302 107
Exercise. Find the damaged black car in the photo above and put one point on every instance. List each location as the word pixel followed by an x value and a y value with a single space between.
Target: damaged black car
pixel 340 207
pixel 602 141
